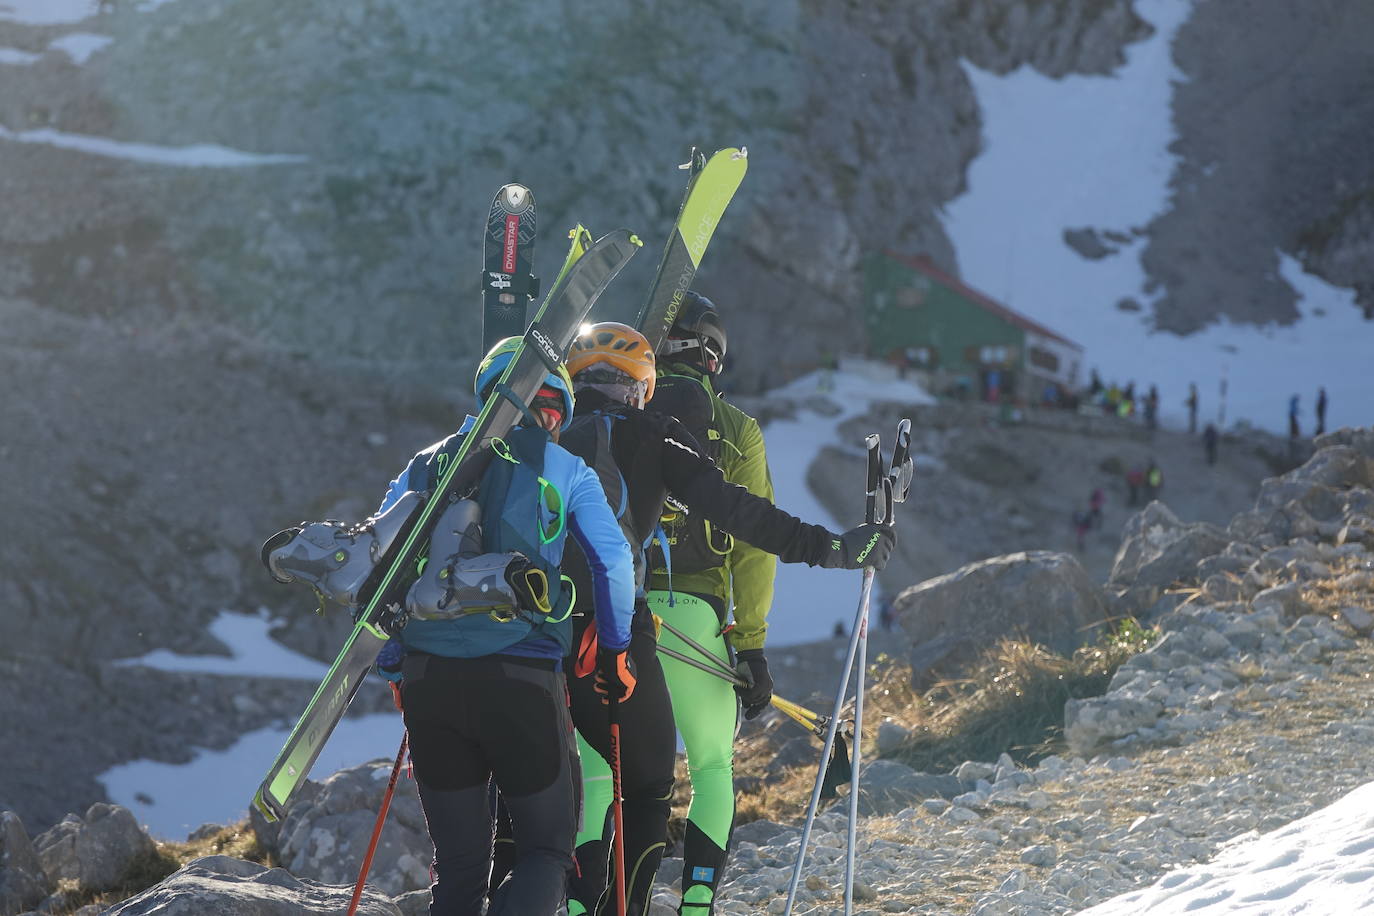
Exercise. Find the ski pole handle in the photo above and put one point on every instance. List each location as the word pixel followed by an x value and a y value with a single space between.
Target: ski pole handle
pixel 903 469
pixel 873 510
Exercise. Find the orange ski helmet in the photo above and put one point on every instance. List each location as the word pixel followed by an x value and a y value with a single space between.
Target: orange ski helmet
pixel 616 345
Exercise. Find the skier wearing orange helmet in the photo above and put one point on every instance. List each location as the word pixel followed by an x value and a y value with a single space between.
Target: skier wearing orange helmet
pixel 644 458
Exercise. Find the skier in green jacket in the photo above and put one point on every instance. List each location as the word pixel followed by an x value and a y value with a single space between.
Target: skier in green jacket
pixel 714 589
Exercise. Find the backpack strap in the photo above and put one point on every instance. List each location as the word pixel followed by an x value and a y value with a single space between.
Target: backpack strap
pixel 514 489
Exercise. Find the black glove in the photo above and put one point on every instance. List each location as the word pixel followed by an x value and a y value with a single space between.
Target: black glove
pixel 757 690
pixel 615 675
pixel 866 545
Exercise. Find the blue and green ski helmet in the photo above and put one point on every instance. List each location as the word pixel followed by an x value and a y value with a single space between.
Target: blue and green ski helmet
pixel 495 363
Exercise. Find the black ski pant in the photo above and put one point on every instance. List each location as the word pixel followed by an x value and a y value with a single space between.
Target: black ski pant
pixel 648 749
pixel 501 718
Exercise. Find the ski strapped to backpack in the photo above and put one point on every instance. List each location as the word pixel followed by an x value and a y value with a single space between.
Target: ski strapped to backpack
pixel 508 259
pixel 710 187
pixel 588 269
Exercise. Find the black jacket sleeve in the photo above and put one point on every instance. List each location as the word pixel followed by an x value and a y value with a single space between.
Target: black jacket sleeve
pixel 696 482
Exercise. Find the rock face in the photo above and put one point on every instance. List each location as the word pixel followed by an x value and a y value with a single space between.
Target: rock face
pixel 224 886
pixel 1258 606
pixel 1304 191
pixel 393 146
pixel 1156 551
pixel 325 834
pixel 94 851
pixel 1041 596
pixel 22 881
pixel 157 461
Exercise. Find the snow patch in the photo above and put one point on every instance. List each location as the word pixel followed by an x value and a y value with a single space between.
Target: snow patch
pixel 807 602
pixel 79 46
pixel 18 58
pixel 47 12
pixel 252 652
pixel 1323 863
pixel 216 787
pixel 1092 151
pixel 201 155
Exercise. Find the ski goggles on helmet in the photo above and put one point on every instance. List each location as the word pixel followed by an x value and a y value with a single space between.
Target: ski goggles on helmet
pixel 549 400
pixel 616 384
pixel 709 357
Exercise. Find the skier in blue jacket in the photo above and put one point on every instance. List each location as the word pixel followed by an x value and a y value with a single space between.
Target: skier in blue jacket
pixel 483 689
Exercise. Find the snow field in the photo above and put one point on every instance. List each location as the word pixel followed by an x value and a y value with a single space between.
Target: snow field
pixel 1092 151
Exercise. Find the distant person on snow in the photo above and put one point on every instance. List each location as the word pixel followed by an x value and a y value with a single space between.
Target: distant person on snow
pixel 1154 481
pixel 1135 479
pixel 1095 503
pixel 1192 407
pixel 1321 411
pixel 1293 430
pixel 1209 443
pixel 1082 523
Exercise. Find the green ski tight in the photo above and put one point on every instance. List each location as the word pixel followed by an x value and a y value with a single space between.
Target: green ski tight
pixel 704 709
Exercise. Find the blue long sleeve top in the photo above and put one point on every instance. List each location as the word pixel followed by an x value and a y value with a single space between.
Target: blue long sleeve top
pixel 589 520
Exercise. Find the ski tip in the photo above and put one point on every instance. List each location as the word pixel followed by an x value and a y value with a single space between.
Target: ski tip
pixel 515 197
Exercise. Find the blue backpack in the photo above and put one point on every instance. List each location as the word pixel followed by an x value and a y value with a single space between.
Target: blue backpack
pixel 521 512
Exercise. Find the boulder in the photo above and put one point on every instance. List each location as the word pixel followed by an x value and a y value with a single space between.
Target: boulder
pixel 1338 466
pixel 1091 723
pixel 22 881
pixel 1041 596
pixel 1361 439
pixel 225 886
pixel 325 835
pixel 94 851
pixel 886 787
pixel 1157 550
pixel 1285 600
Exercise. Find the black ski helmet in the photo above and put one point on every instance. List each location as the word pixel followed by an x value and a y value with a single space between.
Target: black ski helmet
pixel 698 326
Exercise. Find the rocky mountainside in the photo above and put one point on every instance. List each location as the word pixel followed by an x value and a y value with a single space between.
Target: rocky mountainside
pixel 393 122
pixel 1251 711
pixel 195 356
pixel 155 460
pixel 1276 103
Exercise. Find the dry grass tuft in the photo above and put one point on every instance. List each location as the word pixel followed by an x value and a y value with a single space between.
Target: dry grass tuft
pixel 237 840
pixel 1012 702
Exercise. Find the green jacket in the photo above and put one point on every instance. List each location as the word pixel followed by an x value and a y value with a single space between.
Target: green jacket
pixel 746 580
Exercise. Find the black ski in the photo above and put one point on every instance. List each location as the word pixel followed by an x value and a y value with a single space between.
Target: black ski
pixel 508 255
pixel 589 269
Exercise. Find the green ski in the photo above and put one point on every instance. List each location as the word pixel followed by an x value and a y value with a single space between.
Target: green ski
pixel 710 188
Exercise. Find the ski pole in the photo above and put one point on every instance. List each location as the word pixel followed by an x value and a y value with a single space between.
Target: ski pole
pixel 878 510
pixel 377 828
pixel 706 654
pixel 813 722
pixel 617 803
pixel 878 499
pixel 829 744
